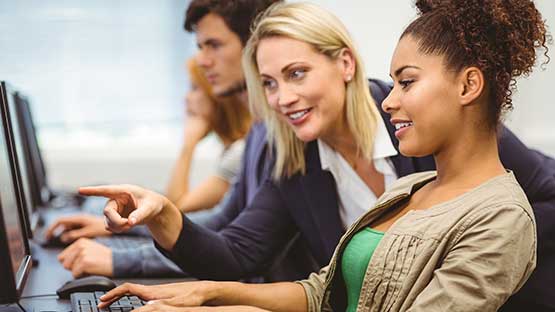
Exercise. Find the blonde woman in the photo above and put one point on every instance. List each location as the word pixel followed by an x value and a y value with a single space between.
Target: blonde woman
pixel 230 121
pixel 422 242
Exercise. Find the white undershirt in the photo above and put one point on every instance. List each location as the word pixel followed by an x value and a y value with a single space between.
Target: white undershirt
pixel 355 198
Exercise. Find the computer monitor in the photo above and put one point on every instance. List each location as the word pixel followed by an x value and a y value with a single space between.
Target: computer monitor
pixel 40 192
pixel 15 142
pixel 15 256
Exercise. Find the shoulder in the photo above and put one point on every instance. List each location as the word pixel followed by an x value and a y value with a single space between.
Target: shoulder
pixel 498 206
pixel 404 185
pixel 407 182
pixel 234 149
pixel 257 134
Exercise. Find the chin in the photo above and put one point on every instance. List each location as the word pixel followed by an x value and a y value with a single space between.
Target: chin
pixel 410 150
pixel 306 136
pixel 218 89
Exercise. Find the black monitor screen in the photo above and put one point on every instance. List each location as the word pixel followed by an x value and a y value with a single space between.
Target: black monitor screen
pixel 14 248
pixel 21 156
pixel 35 165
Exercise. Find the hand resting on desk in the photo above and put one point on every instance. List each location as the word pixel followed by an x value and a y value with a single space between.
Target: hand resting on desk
pixel 87 257
pixel 77 226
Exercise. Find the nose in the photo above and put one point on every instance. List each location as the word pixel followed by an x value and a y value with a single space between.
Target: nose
pixel 203 59
pixel 391 102
pixel 287 96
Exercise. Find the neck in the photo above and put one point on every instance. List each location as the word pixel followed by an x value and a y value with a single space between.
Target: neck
pixel 469 161
pixel 237 88
pixel 342 141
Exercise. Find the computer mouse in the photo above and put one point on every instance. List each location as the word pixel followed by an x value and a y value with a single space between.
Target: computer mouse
pixel 54 242
pixel 85 284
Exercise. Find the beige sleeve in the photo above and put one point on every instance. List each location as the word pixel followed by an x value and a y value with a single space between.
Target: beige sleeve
pixel 492 258
pixel 314 289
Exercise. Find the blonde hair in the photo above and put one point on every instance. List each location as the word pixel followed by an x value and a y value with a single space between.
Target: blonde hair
pixel 231 120
pixel 322 30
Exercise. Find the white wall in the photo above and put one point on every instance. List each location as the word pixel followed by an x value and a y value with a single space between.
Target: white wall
pixel 144 154
pixel 377 25
pixel 106 81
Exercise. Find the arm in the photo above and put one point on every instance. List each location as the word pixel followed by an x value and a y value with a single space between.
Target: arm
pixel 211 191
pixel 240 249
pixel 196 129
pixel 179 181
pixel 205 196
pixel 288 297
pixel 492 258
pixel 144 261
pixel 243 248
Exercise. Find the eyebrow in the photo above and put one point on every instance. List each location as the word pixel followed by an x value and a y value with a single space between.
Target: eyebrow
pixel 402 68
pixel 209 41
pixel 284 69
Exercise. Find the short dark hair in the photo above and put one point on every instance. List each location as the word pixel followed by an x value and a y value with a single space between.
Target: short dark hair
pixel 499 37
pixel 237 14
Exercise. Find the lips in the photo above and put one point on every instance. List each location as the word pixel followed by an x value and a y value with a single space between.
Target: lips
pixel 298 116
pixel 211 77
pixel 401 127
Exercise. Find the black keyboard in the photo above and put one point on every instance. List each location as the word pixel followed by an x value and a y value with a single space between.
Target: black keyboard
pixel 88 302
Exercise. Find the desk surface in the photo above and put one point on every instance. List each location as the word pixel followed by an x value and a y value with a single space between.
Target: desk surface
pixel 39 293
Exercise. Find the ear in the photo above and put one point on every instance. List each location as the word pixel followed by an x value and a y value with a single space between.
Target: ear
pixel 472 85
pixel 347 64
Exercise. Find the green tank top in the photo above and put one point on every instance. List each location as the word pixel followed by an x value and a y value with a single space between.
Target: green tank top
pixel 356 256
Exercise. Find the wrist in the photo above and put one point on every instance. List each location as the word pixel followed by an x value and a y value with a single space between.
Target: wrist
pixel 190 144
pixel 167 214
pixel 166 225
pixel 215 293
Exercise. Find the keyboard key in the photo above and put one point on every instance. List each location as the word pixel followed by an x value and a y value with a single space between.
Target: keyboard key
pixel 88 302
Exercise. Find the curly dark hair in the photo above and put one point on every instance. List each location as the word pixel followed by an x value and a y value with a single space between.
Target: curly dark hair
pixel 498 36
pixel 237 14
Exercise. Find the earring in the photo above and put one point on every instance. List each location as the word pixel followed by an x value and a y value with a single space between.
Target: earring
pixel 349 78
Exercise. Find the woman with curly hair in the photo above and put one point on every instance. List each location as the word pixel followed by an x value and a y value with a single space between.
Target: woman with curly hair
pixel 461 238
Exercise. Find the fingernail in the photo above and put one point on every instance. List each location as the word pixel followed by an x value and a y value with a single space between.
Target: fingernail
pixel 132 220
pixel 151 302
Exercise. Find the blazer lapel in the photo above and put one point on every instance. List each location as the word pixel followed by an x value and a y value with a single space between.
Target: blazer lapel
pixel 320 197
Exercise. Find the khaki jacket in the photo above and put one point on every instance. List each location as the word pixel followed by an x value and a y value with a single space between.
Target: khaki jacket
pixel 467 254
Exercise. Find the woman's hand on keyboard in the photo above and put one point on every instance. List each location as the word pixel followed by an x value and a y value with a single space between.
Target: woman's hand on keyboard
pixel 197 292
pixel 155 306
pixel 186 296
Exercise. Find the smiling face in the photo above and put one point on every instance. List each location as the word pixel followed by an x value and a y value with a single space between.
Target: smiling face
pixel 305 88
pixel 219 54
pixel 424 103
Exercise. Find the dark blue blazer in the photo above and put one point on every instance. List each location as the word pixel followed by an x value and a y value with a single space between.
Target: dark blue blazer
pixel 254 232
